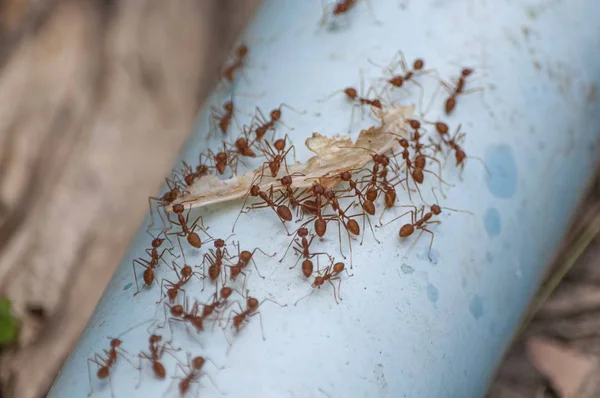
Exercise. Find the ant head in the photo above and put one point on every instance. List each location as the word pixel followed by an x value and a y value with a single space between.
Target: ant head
pixel 197 323
pixel 376 158
pixel 396 81
pixel 254 190
pixel 219 243
pixel 351 92
pixel 436 209
pixel 346 176
pixel 252 303
pixel 156 242
pixel 186 271
pixel 176 310
pixel 302 232
pixel 441 128
pixel 329 194
pixel 228 106
pixel 198 363
pixel 114 343
pixel 403 143
pixel 275 115
pixel 221 157
pixel 376 103
pixel 172 294
pixel 418 64
pixel 178 208
pixel 338 267
pixel 226 292
pixel 245 256
pixel 237 321
pixel 318 281
pixel 318 189
pixel 241 142
pixel 242 51
pixel 466 72
pixel 155 339
pixel 202 169
pixel 280 144
pixel 385 161
pixel 414 124
pixel 260 132
pixel 286 180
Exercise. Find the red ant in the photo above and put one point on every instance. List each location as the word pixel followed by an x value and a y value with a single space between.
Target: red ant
pixel 302 247
pixel 282 211
pixel 223 119
pixel 243 146
pixel 408 75
pixel 156 351
pixel 174 288
pixel 276 156
pixel 357 100
pixel 330 274
pixel 367 205
pixel 452 142
pixel 149 266
pixel 244 258
pixel 457 90
pixel 240 55
pixel 215 259
pixel 181 313
pixel 191 175
pixel 106 363
pixel 193 375
pixel 223 159
pixel 252 305
pixel 300 203
pixel 187 229
pixel 341 7
pixel 265 124
pixel 217 302
pixel 174 192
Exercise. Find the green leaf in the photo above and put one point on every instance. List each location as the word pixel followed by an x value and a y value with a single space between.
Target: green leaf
pixel 9 326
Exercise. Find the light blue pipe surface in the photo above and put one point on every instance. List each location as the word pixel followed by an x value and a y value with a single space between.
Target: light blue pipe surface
pixel 406 327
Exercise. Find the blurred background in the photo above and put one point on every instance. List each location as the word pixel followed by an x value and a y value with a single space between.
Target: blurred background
pixel 96 98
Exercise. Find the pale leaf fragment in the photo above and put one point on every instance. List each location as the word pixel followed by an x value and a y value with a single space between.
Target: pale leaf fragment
pixel 333 155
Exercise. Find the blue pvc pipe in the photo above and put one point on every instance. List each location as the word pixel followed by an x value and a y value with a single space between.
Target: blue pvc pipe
pixel 406 326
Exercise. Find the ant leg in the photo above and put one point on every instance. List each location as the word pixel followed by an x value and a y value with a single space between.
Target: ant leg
pixel 401 215
pixel 430 243
pixel 137 261
pixel 334 295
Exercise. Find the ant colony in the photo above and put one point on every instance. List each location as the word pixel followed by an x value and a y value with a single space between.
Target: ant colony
pixel 381 180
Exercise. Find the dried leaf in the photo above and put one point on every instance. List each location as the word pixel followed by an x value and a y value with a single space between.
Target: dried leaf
pixel 333 155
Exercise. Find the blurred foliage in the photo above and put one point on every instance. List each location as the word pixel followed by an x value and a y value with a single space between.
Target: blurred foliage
pixel 9 325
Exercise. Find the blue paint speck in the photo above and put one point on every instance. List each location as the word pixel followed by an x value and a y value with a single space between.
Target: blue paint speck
pixel 502 180
pixel 127 286
pixel 489 257
pixel 491 221
pixel 432 293
pixel 476 307
pixel 407 269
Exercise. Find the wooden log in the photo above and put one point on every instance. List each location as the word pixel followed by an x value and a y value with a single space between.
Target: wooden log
pixel 96 98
